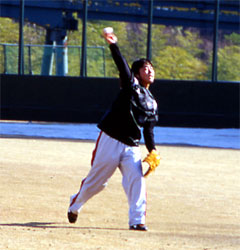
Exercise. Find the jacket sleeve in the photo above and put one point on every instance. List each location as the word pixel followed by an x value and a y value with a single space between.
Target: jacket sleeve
pixel 124 71
pixel 149 136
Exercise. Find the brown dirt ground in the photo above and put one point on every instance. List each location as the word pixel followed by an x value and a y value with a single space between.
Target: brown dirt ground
pixel 193 199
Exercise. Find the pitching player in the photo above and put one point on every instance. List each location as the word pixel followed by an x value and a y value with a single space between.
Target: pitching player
pixel 118 143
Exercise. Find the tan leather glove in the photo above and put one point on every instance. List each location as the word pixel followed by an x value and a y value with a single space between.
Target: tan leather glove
pixel 153 160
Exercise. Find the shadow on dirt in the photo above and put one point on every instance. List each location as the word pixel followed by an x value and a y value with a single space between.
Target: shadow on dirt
pixel 56 225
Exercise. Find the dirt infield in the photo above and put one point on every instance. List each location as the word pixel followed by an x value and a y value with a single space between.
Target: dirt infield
pixel 193 199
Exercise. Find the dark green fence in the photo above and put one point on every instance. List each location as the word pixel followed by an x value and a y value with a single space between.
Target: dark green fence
pixel 85 100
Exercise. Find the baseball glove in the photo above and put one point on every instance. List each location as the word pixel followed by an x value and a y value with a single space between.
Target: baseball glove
pixel 153 160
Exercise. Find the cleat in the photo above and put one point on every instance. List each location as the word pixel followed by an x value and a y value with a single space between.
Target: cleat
pixel 138 227
pixel 72 218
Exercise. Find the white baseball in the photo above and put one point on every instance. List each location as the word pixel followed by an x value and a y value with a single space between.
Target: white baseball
pixel 108 30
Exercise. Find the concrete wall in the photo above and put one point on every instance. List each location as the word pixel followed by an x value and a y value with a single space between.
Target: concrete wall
pixel 85 100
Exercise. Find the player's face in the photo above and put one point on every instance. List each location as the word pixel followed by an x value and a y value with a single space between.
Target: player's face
pixel 147 74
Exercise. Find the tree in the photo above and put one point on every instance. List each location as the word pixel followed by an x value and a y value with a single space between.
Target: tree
pixel 95 56
pixel 177 53
pixel 7 25
pixel 229 63
pixel 191 42
pixel 233 39
pixel 177 63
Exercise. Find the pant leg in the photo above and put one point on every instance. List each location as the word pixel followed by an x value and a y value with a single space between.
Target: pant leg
pixel 106 160
pixel 134 185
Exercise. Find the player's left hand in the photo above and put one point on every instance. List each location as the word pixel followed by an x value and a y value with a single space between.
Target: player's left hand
pixel 153 160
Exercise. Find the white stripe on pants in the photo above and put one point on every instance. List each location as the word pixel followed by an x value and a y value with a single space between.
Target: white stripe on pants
pixel 109 155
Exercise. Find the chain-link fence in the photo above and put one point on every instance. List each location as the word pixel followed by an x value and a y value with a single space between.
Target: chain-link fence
pixel 34 59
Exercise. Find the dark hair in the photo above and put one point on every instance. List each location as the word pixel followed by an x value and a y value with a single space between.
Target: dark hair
pixel 138 64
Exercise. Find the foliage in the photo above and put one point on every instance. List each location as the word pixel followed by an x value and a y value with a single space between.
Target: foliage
pixel 190 41
pixel 177 63
pixel 177 53
pixel 229 63
pixel 233 39
pixel 159 38
pixel 9 31
pixel 33 34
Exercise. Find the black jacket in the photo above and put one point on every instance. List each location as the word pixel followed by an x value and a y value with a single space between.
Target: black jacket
pixel 135 107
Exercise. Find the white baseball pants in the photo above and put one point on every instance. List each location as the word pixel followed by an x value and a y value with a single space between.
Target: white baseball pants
pixel 109 155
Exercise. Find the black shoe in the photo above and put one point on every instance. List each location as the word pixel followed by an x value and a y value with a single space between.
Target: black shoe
pixel 138 227
pixel 72 218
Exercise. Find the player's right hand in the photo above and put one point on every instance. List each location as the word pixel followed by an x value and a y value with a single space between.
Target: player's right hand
pixel 110 38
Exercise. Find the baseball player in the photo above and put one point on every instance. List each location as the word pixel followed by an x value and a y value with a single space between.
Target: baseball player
pixel 117 145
